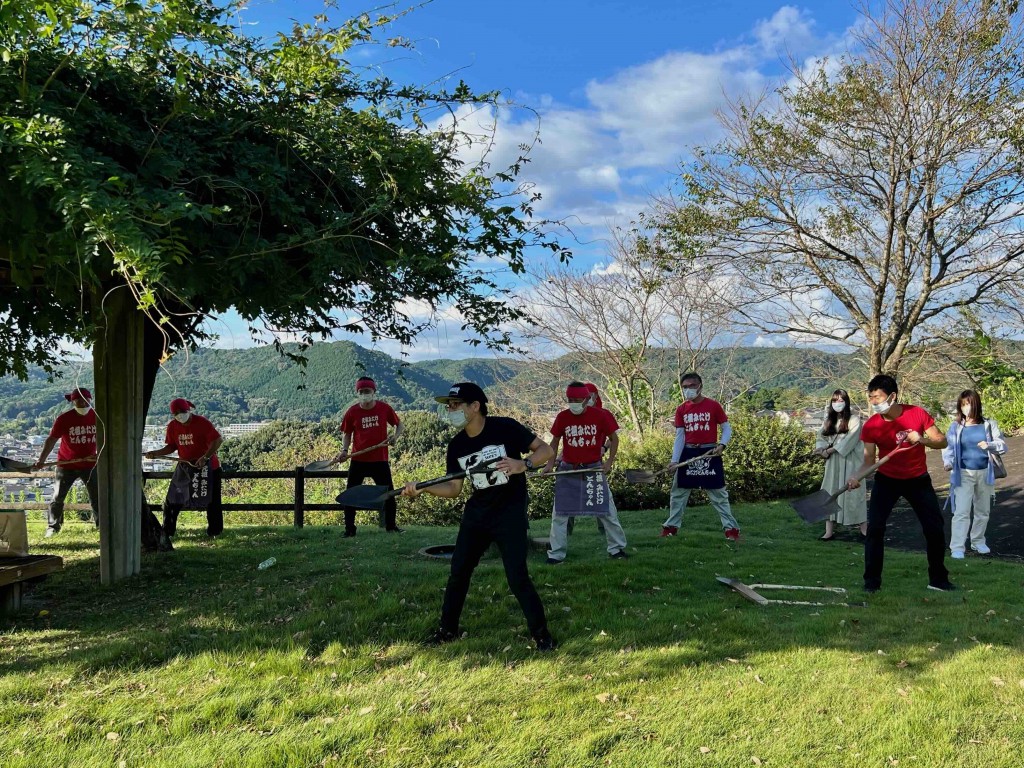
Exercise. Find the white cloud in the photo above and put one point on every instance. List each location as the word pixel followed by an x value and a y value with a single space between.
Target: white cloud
pixel 598 162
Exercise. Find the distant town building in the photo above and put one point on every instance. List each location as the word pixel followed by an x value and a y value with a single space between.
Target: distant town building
pixel 237 430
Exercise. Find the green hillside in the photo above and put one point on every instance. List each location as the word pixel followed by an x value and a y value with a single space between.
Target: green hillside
pixel 258 383
pixel 255 384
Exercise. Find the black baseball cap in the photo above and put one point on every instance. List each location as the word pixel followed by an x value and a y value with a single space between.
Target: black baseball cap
pixel 465 391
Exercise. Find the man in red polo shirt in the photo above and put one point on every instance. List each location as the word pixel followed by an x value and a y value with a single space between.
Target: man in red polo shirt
pixel 906 475
pixel 365 424
pixel 196 440
pixel 76 430
pixel 583 430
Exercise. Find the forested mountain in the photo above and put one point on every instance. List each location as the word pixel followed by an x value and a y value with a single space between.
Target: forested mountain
pixel 239 385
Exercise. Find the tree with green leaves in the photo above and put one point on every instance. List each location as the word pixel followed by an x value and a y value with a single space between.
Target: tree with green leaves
pixel 161 167
pixel 876 194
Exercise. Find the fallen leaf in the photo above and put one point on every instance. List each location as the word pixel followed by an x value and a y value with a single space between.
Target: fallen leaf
pixel 365 710
pixel 113 736
pixel 755 760
pixel 998 681
pixel 705 750
pixel 732 661
pixel 603 697
pixel 903 664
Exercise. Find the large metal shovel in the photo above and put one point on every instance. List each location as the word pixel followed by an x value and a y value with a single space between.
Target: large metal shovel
pixel 821 505
pixel 646 477
pixel 320 466
pixel 375 496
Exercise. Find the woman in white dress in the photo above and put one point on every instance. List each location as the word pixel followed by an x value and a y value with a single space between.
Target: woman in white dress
pixel 838 442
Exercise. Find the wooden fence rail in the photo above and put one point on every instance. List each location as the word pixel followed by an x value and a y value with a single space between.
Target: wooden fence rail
pixel 298 507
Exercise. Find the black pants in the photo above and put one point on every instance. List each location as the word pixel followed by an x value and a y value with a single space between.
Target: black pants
pixel 920 495
pixel 214 511
pixel 509 533
pixel 380 473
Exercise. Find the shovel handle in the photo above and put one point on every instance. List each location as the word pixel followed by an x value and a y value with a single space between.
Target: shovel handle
pixel 476 469
pixel 872 469
pixel 361 451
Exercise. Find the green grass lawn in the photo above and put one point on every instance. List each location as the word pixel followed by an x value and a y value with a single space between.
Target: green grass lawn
pixel 204 660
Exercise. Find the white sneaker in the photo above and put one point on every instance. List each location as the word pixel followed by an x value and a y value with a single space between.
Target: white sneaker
pixel 50 533
pixel 958 554
pixel 983 549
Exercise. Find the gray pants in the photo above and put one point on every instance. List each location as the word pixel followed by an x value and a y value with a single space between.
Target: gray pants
pixel 719 500
pixel 65 479
pixel 614 536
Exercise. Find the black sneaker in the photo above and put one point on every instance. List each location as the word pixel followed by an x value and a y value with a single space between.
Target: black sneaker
pixel 348 534
pixel 943 586
pixel 553 561
pixel 440 636
pixel 871 590
pixel 544 640
pixel 620 555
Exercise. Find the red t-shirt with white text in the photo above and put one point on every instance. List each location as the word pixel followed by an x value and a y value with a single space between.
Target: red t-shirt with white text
pixel 583 436
pixel 77 438
pixel 193 438
pixel 369 426
pixel 700 420
pixel 882 432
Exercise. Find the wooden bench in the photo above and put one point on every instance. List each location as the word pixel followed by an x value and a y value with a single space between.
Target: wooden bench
pixel 15 571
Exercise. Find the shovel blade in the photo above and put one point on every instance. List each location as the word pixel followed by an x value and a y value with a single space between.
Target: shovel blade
pixel 13 465
pixel 820 505
pixel 364 497
pixel 639 476
pixel 318 466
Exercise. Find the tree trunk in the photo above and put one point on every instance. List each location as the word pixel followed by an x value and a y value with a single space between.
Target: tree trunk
pixel 117 364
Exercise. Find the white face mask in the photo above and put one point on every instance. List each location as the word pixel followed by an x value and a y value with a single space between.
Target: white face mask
pixel 182 418
pixel 838 407
pixel 366 399
pixel 966 409
pixel 576 408
pixel 457 418
pixel 690 393
pixel 81 411
pixel 882 408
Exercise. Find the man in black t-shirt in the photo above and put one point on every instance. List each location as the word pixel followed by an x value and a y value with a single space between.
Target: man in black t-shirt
pixel 496 510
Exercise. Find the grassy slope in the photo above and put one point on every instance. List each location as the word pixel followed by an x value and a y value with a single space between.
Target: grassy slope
pixel 204 660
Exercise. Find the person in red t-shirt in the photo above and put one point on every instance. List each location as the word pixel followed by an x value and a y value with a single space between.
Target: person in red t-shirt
pixel 595 401
pixel 365 424
pixel 584 429
pixel 76 431
pixel 196 440
pixel 697 422
pixel 905 474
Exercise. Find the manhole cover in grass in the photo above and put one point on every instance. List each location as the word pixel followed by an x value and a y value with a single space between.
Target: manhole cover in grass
pixel 438 551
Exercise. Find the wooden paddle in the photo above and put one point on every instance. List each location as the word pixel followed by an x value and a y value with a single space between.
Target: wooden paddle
pixel 643 476
pixel 320 466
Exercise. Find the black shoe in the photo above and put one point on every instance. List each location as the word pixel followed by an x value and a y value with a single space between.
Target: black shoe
pixel 943 586
pixel 544 641
pixel 620 555
pixel 396 529
pixel 871 590
pixel 348 534
pixel 440 636
pixel 553 561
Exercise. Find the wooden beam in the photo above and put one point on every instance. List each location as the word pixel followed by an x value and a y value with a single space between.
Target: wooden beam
pixel 117 367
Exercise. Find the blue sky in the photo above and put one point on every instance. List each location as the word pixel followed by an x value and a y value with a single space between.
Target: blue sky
pixel 618 92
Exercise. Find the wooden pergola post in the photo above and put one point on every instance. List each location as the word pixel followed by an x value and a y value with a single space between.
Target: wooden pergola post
pixel 117 367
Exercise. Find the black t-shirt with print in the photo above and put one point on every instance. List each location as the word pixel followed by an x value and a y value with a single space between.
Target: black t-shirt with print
pixel 493 492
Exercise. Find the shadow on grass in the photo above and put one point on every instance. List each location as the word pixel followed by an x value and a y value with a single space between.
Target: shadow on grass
pixel 373 598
